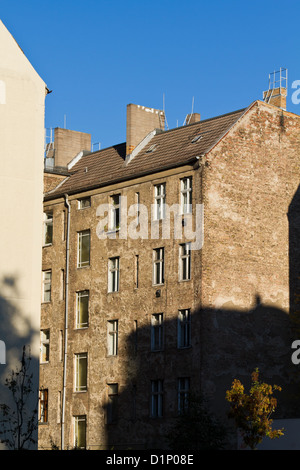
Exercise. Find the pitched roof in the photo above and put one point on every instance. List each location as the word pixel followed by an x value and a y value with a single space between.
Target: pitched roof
pixel 167 149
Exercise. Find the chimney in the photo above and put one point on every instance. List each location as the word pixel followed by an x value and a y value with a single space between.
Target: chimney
pixel 67 144
pixel 276 94
pixel 276 97
pixel 141 121
pixel 191 118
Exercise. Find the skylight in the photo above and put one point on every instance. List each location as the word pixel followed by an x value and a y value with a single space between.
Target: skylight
pixel 151 148
pixel 197 138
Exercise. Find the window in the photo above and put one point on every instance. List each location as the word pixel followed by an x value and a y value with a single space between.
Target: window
pixel 156 398
pixel 43 399
pixel 112 405
pixel 185 262
pixel 81 372
pixel 45 345
pixel 159 201
pixel 80 432
pixel 61 344
pixel 157 332
pixel 115 213
pixel 186 195
pixel 83 249
pixel 137 203
pixel 82 309
pixel 113 274
pixel 58 415
pixel 158 266
pixel 48 228
pixel 183 394
pixel 112 337
pixel 84 202
pixel 47 275
pixel 184 328
pixel 62 284
pixel 136 271
pixel 135 337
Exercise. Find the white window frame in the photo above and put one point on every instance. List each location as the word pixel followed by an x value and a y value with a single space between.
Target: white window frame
pixel 115 212
pixel 80 296
pixel 157 400
pixel 113 274
pixel 43 408
pixel 183 394
pixel 185 261
pixel 47 281
pixel 81 360
pixel 186 192
pixel 184 328
pixel 77 421
pixel 157 332
pixel 158 266
pixel 112 337
pixel 84 202
pixel 48 225
pixel 45 346
pixel 159 201
pixel 83 263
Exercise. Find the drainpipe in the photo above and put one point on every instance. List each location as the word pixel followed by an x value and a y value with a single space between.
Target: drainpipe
pixel 66 326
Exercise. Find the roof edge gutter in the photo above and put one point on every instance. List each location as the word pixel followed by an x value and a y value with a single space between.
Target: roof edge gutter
pixel 190 161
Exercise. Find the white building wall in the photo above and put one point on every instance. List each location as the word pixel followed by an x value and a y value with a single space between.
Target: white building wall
pixel 22 110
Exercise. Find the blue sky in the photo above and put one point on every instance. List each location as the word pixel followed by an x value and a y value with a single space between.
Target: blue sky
pixel 99 55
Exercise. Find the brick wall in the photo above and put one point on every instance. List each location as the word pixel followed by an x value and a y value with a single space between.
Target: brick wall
pixel 68 144
pixel 239 292
pixel 249 182
pixel 140 121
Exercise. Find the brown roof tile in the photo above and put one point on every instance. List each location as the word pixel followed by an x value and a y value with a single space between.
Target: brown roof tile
pixel 174 147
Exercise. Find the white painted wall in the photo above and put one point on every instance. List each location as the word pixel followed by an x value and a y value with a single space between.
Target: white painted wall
pixel 22 110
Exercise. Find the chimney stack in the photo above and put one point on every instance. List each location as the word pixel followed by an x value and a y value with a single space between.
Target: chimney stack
pixel 67 144
pixel 191 118
pixel 141 121
pixel 276 97
pixel 277 92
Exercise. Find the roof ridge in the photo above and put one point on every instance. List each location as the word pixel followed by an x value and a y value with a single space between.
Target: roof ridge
pixel 205 120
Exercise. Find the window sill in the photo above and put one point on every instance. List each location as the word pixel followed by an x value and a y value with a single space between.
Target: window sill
pixel 113 230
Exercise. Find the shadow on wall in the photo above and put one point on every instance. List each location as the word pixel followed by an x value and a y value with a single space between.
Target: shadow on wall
pixel 16 332
pixel 225 344
pixel 294 257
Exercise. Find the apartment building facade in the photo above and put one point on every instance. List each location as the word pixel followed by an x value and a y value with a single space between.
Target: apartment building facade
pixel 165 272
